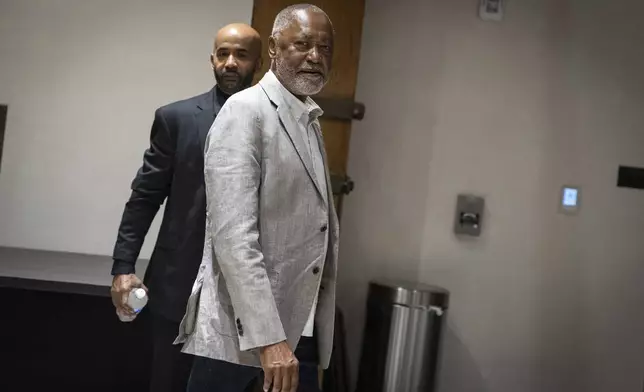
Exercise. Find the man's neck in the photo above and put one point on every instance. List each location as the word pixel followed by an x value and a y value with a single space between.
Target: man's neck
pixel 221 93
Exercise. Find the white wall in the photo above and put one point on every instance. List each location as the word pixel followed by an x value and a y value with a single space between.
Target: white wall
pixel 82 79
pixel 609 85
pixel 510 111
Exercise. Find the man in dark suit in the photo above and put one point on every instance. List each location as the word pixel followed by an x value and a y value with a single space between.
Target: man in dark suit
pixel 173 171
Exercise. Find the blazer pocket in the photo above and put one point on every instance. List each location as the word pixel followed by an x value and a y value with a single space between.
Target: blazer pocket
pixel 222 312
pixel 224 321
pixel 192 308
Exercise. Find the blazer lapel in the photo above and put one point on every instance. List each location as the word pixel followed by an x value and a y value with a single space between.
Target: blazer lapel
pixel 327 175
pixel 207 109
pixel 291 127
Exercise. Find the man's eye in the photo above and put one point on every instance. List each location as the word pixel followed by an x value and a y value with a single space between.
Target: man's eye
pixel 301 45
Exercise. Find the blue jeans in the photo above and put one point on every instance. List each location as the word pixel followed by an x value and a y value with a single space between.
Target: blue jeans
pixel 209 375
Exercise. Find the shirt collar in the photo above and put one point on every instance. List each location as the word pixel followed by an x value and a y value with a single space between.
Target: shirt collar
pixel 308 109
pixel 219 98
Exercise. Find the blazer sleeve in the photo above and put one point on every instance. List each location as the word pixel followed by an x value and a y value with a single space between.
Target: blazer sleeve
pixel 150 188
pixel 232 175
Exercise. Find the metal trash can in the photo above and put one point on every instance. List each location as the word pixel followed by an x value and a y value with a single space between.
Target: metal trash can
pixel 402 335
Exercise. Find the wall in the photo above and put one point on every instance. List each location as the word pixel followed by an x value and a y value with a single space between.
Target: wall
pixel 82 80
pixel 609 86
pixel 510 111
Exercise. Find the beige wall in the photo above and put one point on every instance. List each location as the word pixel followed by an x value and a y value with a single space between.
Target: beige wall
pixel 510 111
pixel 82 79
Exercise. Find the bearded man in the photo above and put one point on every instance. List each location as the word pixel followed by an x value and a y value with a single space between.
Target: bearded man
pixel 172 172
pixel 264 300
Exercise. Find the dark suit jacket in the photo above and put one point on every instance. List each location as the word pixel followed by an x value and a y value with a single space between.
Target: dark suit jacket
pixel 173 170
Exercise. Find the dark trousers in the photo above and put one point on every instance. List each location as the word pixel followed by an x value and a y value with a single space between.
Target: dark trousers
pixel 210 375
pixel 170 368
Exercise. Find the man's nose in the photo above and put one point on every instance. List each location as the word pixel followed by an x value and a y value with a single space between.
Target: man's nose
pixel 231 62
pixel 314 55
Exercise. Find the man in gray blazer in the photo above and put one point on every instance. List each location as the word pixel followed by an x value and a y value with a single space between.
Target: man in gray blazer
pixel 264 298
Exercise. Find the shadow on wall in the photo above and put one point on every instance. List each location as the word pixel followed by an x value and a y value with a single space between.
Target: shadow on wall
pixel 459 371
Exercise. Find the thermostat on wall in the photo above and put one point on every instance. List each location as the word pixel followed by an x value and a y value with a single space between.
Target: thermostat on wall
pixel 491 10
pixel 570 198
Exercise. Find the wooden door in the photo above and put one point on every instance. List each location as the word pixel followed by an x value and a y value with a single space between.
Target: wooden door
pixel 346 16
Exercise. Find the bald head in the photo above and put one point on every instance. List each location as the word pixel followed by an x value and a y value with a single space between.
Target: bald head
pixel 236 57
pixel 239 32
pixel 301 49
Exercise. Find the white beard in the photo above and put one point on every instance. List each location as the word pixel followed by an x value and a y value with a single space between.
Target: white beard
pixel 299 84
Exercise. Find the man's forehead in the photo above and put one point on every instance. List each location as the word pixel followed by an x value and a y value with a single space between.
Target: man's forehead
pixel 315 25
pixel 234 41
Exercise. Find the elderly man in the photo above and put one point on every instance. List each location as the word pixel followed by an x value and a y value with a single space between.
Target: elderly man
pixel 173 169
pixel 264 298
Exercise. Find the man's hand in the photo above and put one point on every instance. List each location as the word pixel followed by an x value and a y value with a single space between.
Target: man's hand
pixel 121 287
pixel 281 368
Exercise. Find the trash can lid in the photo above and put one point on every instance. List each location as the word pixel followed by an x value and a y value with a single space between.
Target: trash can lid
pixel 412 294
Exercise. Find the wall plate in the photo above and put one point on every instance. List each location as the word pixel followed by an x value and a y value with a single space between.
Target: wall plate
pixel 468 217
pixel 491 10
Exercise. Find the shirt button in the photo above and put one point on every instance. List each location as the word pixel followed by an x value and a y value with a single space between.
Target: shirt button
pixel 323 228
pixel 316 270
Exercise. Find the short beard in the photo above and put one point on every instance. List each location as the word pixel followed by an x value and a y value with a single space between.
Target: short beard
pixel 243 83
pixel 296 83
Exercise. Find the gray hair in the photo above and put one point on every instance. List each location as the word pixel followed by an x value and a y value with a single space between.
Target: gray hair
pixel 289 14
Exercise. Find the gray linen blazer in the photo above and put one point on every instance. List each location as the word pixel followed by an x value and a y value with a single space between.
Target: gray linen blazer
pixel 265 232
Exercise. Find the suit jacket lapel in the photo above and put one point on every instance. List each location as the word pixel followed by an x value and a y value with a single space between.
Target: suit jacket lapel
pixel 327 175
pixel 207 109
pixel 291 127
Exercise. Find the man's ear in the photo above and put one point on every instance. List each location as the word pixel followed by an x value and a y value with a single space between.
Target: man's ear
pixel 272 47
pixel 212 60
pixel 258 64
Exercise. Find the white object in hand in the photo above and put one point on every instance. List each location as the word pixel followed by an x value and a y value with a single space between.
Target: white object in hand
pixel 137 299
